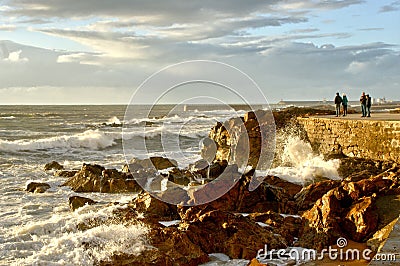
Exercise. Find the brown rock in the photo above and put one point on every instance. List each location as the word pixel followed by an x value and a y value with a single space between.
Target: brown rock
pixel 157 162
pixel 95 178
pixel 322 222
pixel 65 173
pixel 153 208
pixel 307 197
pixel 37 187
pixel 53 166
pixel 76 202
pixel 216 231
pixel 171 247
pixel 362 219
pixel 255 262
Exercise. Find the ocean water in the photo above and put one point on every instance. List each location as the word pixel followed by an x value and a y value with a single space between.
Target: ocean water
pixel 39 229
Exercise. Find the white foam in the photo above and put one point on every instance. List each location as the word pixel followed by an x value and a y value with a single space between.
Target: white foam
pixel 8 117
pixel 57 241
pixel 301 164
pixel 92 139
pixel 114 121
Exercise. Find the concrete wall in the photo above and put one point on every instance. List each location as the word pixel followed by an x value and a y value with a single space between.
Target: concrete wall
pixel 378 140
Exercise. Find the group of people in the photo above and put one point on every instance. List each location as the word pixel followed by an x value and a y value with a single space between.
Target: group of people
pixel 365 101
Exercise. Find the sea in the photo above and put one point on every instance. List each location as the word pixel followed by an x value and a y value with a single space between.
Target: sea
pixel 40 229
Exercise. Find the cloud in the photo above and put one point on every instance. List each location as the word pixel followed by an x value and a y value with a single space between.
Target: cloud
pixel 6 27
pixel 15 57
pixel 394 6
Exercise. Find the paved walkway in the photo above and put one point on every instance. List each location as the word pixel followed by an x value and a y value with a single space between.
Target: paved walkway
pixel 374 117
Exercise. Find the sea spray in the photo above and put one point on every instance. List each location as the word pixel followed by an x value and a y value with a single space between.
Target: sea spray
pixel 58 241
pixel 296 162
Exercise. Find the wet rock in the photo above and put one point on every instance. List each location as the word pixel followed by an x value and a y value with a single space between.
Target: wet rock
pixel 37 187
pixel 76 202
pixel 216 231
pixel 95 178
pixel 65 173
pixel 171 247
pixel 53 166
pixel 157 162
pixel 154 209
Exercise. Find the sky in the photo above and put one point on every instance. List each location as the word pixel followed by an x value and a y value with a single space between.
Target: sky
pixel 100 51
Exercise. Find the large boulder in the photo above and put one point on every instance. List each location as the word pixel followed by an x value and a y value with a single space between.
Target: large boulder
pixel 155 162
pixel 154 209
pixel 76 202
pixel 170 246
pixel 37 187
pixel 276 196
pixel 95 178
pixel 53 166
pixel 216 231
pixel 362 219
pixel 240 140
pixel 308 195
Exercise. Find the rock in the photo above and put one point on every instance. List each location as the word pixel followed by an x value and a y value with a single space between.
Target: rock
pixel 239 199
pixel 180 176
pixel 65 173
pixel 307 197
pixel 153 208
pixel 322 222
pixel 95 178
pixel 37 187
pixel 362 219
pixel 76 202
pixel 239 140
pixel 255 262
pixel 157 162
pixel 53 166
pixel 288 226
pixel 202 169
pixel 171 247
pixel 216 231
pixel 290 188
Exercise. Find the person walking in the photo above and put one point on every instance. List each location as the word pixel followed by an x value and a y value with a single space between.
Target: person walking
pixel 338 101
pixel 344 103
pixel 369 102
pixel 363 102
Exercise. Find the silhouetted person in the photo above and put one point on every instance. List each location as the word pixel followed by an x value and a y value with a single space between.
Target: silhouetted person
pixel 363 102
pixel 344 103
pixel 338 101
pixel 369 102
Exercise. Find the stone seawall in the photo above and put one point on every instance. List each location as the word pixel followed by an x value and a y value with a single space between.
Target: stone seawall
pixel 377 140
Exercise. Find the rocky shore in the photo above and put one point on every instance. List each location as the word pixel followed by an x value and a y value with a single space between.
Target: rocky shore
pixel 277 213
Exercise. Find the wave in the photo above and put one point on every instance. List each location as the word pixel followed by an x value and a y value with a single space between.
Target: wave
pixel 8 117
pixel 300 165
pixel 92 139
pixel 96 139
